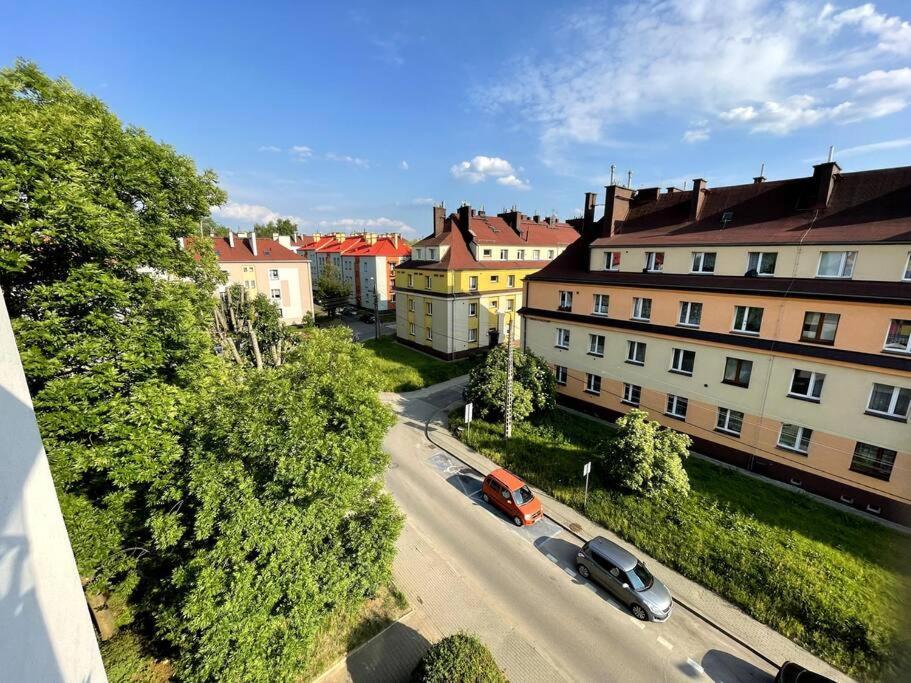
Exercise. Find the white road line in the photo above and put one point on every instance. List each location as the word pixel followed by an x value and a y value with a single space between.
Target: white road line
pixel 551 558
pixel 695 665
pixel 666 643
pixel 636 622
pixel 570 572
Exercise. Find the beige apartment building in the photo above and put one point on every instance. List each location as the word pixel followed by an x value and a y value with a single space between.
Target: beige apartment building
pixel 769 321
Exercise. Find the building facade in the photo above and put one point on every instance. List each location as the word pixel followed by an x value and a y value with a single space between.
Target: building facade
pixel 462 288
pixel 771 322
pixel 267 266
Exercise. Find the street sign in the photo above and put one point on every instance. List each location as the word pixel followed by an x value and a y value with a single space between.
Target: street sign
pixel 586 469
pixel 469 411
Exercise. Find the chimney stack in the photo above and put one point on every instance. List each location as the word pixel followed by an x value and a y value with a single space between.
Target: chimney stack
pixel 648 194
pixel 231 238
pixel 465 214
pixel 824 181
pixel 616 208
pixel 588 213
pixel 253 242
pixel 439 219
pixel 395 240
pixel 697 198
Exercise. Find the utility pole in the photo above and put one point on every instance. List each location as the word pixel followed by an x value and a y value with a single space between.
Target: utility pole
pixel 509 379
pixel 376 313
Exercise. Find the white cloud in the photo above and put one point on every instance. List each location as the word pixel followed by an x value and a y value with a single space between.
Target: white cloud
pixel 481 168
pixel 696 135
pixel 348 159
pixel 270 148
pixel 249 213
pixel 422 201
pixel 896 80
pixel 893 34
pixel 355 224
pixel 513 181
pixel 302 151
pixel 403 165
pixel 860 150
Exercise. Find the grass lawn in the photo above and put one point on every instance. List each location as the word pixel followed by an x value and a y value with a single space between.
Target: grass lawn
pixel 831 581
pixel 405 369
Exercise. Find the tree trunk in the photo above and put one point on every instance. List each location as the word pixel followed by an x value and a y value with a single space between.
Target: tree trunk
pixel 255 343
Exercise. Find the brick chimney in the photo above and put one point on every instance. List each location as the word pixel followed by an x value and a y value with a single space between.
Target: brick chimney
pixel 439 219
pixel 370 237
pixel 648 194
pixel 588 213
pixel 824 181
pixel 253 242
pixel 512 219
pixel 616 208
pixel 697 198
pixel 231 238
pixel 395 239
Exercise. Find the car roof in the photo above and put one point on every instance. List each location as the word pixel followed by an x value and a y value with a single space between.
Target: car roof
pixel 507 478
pixel 613 552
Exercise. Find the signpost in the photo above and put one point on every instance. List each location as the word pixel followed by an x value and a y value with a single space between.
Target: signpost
pixel 469 415
pixel 586 470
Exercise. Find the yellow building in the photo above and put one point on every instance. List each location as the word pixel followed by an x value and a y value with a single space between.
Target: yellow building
pixel 462 288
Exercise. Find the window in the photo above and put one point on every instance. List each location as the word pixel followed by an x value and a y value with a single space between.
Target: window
pixel 411 329
pixel 560 372
pixel 682 361
pixel 550 253
pixel 428 308
pixel 487 252
pixel 592 383
pixel 473 283
pixel 494 278
pixel 819 328
pixel 729 421
pixel 763 262
pixel 703 262
pixel 898 338
pixel 276 296
pixel 562 338
pixel 510 281
pixel 493 303
pixel 411 305
pixel 873 461
pixel 601 303
pixel 510 304
pixel 429 334
pixel 642 309
pixel 690 313
pixel 737 371
pixel 654 261
pixel 631 394
pixel 410 280
pixel 907 275
pixel 472 334
pixel 635 352
pixel 676 406
pixel 836 264
pixel 596 345
pixel 806 385
pixel 566 301
pixel 536 255
pixel 472 310
pixel 520 255
pixel 747 319
pixel 504 254
pixel 433 254
pixel 429 282
pixel 889 401
pixel 794 438
pixel 612 260
pixel 273 273
pixel 250 284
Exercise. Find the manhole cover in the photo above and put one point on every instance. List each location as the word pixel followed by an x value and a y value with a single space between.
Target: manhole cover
pixel 575 527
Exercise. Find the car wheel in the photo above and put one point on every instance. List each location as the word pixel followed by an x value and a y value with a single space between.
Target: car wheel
pixel 517 520
pixel 639 612
pixel 583 571
pixel 485 497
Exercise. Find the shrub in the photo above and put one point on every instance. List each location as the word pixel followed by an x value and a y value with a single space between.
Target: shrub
pixel 460 658
pixel 534 387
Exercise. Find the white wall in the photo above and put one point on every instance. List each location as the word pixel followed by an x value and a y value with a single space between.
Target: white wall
pixel 46 632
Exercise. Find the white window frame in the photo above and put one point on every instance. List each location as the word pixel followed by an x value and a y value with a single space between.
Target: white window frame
pixel 746 317
pixel 631 347
pixel 560 374
pixel 428 308
pixel 594 341
pixel 637 309
pixel 411 305
pixel 494 278
pixel 487 252
pixel 678 354
pixel 429 333
pixel 601 304
pixel 846 265
pixel 798 441
pixel 651 260
pixel 893 403
pixel 520 255
pixel 273 273
pixel 895 348
pixel 536 255
pixel 726 429
pixel 504 254
pixel 472 283
pixel 411 329
pixel 410 280
pixel 686 310
pixel 816 378
pixel 760 258
pixel 609 260
pixel 697 265
pixel 472 309
pixel 510 304
pixel 511 281
pixel 472 334
pixel 629 390
pixel 275 296
pixel 428 284
pixel 550 254
pixel 672 406
pixel 590 381
pixel 907 274
pixel 562 338
pixel 566 300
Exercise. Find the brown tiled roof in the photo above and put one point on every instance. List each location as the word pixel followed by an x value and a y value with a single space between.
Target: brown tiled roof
pixel 865 207
pixel 267 249
pixel 458 257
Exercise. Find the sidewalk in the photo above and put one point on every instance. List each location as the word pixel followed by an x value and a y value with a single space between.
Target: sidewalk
pixel 709 606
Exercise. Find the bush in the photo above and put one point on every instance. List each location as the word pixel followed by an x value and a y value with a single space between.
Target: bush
pixel 534 387
pixel 460 658
pixel 645 457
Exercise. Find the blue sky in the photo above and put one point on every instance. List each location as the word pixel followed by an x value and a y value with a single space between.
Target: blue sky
pixel 346 115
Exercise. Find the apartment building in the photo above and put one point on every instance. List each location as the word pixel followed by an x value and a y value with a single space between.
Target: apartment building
pixel 271 267
pixel 462 288
pixel 769 321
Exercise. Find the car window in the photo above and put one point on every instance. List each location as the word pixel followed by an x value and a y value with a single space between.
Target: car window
pixel 640 578
pixel 522 495
pixel 605 564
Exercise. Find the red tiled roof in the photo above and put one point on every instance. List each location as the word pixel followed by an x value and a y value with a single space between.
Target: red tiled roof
pixel 343 246
pixel 384 246
pixel 267 249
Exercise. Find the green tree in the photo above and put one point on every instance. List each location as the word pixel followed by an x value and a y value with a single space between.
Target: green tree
pixel 209 226
pixel 459 658
pixel 534 386
pixel 645 457
pixel 250 329
pixel 331 291
pixel 279 226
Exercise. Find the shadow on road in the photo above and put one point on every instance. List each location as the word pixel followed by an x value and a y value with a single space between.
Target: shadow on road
pixel 723 666
pixel 390 657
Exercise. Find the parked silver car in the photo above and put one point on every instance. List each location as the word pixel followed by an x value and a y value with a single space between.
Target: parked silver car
pixel 626 578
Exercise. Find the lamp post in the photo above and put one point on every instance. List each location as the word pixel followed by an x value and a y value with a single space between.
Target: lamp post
pixel 376 311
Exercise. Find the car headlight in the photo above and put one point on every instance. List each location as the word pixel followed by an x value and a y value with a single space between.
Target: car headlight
pixel 528 517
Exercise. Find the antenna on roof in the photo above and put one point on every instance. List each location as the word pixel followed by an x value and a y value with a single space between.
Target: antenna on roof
pixel 613 168
pixel 762 170
pixel 831 153
pixel 629 179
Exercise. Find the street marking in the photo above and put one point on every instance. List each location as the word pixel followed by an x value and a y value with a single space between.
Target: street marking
pixel 695 665
pixel 665 643
pixel 570 572
pixel 636 622
pixel 551 558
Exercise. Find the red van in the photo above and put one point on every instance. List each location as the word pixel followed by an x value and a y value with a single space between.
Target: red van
pixel 512 495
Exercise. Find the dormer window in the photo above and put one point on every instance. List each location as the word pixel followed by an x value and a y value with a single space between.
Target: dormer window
pixel 703 262
pixel 654 261
pixel 836 264
pixel 762 262
pixel 612 260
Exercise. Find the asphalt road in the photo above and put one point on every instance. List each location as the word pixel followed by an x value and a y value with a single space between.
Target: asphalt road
pixel 526 580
